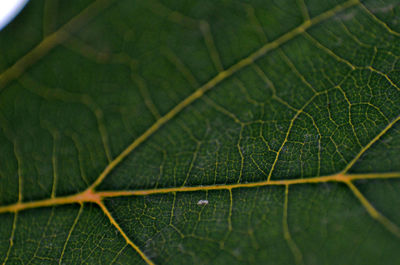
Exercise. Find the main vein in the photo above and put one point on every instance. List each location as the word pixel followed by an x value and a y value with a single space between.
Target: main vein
pixel 96 197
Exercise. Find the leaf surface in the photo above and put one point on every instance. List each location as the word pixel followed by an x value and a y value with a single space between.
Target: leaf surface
pixel 212 132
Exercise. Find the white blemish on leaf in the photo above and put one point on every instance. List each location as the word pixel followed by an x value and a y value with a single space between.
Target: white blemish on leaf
pixel 202 202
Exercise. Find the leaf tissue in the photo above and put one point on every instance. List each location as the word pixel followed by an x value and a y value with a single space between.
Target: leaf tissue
pixel 201 132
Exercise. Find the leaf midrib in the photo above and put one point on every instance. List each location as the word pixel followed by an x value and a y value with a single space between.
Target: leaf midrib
pixel 98 196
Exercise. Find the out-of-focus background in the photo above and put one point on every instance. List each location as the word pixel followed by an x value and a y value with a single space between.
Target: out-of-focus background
pixel 9 9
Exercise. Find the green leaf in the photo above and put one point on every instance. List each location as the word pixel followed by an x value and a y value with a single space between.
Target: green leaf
pixel 200 132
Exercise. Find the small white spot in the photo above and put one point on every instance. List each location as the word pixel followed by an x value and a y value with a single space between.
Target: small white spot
pixel 202 202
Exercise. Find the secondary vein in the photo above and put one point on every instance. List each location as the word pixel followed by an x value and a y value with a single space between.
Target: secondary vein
pixel 221 76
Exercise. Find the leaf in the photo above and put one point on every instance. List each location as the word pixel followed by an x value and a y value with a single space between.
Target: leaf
pixel 209 132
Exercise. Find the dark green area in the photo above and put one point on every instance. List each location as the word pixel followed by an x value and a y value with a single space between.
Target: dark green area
pixel 85 101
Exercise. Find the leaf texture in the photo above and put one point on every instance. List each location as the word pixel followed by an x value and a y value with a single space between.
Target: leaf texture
pixel 200 132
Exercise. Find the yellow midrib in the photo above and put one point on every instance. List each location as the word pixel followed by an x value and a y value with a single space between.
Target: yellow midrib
pixel 97 197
